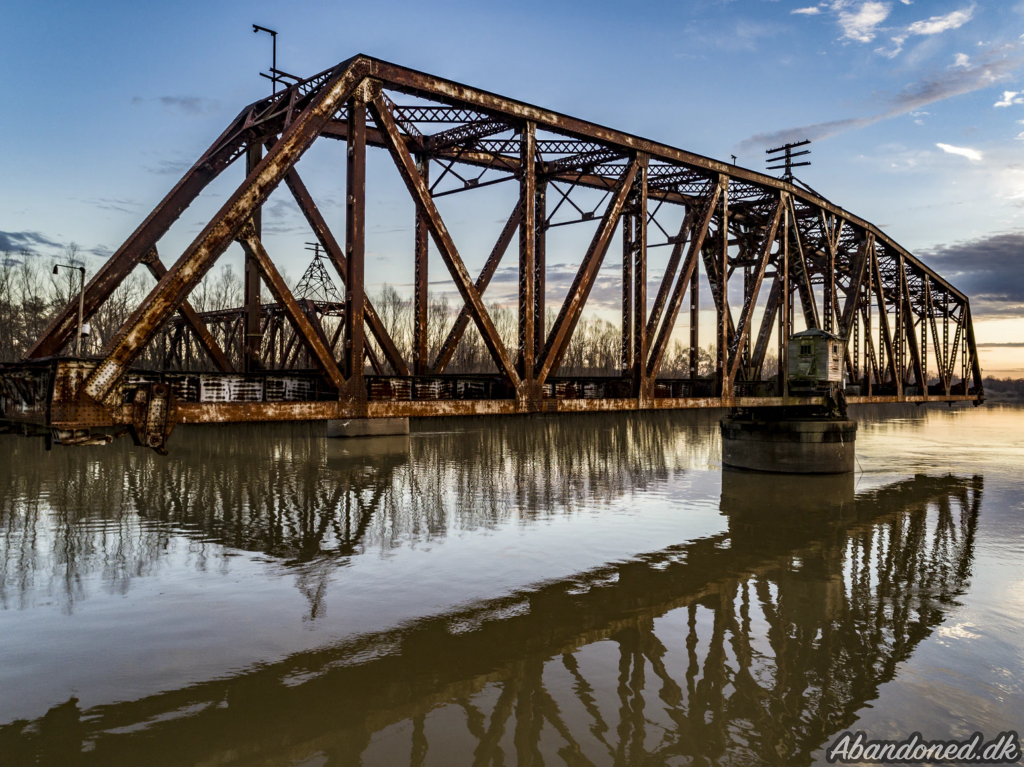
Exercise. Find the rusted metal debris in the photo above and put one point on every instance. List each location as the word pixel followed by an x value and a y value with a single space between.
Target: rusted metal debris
pixel 888 306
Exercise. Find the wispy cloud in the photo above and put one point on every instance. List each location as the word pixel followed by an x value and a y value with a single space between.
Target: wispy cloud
pixel 811 11
pixel 120 206
pixel 1009 99
pixel 169 167
pixel 860 24
pixel 961 60
pixel 16 241
pixel 946 84
pixel 191 106
pixel 938 24
pixel 895 51
pixel 971 154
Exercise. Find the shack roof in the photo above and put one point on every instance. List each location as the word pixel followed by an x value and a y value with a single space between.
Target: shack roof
pixel 816 332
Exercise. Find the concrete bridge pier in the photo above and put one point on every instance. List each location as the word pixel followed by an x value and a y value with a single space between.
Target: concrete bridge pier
pixel 788 443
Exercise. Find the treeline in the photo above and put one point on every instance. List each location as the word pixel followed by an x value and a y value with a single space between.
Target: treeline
pixel 31 295
pixel 1004 388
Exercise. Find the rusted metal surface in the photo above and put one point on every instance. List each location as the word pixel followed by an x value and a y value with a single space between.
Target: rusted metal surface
pixel 738 226
pixel 206 340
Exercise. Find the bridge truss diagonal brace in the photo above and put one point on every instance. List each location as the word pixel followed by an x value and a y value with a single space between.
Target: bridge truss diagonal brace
pixel 883 320
pixel 206 340
pixel 330 244
pixel 572 307
pixel 746 316
pixel 116 269
pixel 858 271
pixel 451 341
pixel 771 310
pixel 421 194
pixel 670 272
pixel 200 256
pixel 803 283
pixel 300 320
pixel 701 225
pixel 907 313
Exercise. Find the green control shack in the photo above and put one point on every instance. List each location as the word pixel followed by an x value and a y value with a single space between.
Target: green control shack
pixel 815 361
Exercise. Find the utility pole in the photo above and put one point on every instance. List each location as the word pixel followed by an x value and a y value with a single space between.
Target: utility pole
pixel 787 158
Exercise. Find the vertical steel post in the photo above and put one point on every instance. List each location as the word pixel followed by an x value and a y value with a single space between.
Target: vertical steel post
pixel 421 352
pixel 723 291
pixel 695 321
pixel 830 283
pixel 900 330
pixel 355 237
pixel 945 340
pixel 856 349
pixel 627 287
pixel 785 310
pixel 253 337
pixel 924 334
pixel 748 287
pixel 540 244
pixel 640 282
pixel 81 313
pixel 871 371
pixel 527 251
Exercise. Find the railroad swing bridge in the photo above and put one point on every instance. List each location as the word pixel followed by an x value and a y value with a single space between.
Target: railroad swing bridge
pixel 898 319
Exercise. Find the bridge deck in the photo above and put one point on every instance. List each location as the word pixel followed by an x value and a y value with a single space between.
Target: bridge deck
pixel 43 395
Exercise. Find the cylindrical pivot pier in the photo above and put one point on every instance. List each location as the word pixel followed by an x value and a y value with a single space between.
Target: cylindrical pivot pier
pixel 789 446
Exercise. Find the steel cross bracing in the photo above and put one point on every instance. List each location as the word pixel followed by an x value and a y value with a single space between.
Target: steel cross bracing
pixel 760 246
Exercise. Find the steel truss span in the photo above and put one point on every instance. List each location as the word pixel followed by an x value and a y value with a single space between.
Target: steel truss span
pixel 761 246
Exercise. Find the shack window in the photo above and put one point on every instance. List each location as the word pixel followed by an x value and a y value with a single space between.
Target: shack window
pixel 805 347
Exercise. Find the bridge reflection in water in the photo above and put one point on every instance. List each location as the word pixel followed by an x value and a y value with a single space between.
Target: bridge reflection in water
pixel 753 645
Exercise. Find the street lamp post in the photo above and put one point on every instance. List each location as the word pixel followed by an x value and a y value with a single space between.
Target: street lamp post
pixel 81 303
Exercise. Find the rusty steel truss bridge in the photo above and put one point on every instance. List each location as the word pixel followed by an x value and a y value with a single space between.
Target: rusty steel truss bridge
pixel 847 276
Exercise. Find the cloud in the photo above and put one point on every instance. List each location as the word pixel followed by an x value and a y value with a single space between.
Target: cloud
pixel 812 11
pixel 987 269
pixel 120 206
pixel 191 106
pixel 1009 99
pixel 897 48
pixel 971 154
pixel 938 24
pixel 860 24
pixel 169 167
pixel 961 60
pixel 946 84
pixel 15 241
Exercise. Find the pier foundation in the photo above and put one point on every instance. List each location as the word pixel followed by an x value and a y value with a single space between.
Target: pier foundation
pixel 812 445
pixel 367 427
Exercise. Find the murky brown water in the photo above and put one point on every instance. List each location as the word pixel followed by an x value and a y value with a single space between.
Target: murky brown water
pixel 579 590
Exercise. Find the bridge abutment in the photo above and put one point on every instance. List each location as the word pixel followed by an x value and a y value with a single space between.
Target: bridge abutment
pixel 790 444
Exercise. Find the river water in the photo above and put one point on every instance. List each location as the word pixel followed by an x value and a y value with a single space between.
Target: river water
pixel 572 589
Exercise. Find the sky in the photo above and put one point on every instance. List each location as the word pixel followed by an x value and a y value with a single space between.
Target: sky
pixel 916 111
